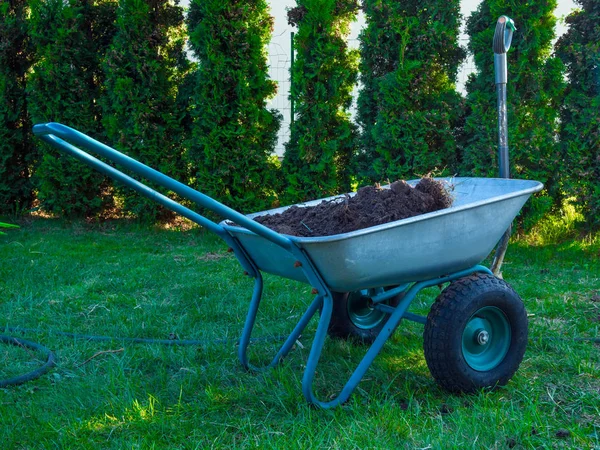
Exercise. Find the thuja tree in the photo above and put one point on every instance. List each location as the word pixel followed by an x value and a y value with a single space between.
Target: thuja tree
pixel 233 132
pixel 143 68
pixel 579 49
pixel 70 38
pixel 322 138
pixel 535 85
pixel 16 146
pixel 408 108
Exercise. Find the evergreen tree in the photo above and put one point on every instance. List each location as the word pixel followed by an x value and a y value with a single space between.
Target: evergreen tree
pixel 70 38
pixel 534 94
pixel 143 68
pixel 322 138
pixel 579 49
pixel 16 147
pixel 233 133
pixel 408 108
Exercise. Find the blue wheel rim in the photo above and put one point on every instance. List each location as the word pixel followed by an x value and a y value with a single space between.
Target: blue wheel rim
pixel 486 339
pixel 361 311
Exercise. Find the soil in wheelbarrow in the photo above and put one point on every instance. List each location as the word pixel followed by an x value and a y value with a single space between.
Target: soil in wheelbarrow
pixel 372 205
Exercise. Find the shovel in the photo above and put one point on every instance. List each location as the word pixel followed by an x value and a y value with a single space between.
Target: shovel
pixel 505 27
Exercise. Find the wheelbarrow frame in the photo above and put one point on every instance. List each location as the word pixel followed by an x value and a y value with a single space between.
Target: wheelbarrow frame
pixel 67 139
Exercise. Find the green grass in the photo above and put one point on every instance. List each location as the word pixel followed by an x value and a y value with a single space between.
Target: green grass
pixel 118 279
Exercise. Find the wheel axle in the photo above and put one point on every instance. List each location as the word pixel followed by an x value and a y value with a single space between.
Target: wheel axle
pixel 482 337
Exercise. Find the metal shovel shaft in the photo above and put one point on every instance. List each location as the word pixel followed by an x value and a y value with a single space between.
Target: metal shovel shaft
pixel 502 40
pixel 503 130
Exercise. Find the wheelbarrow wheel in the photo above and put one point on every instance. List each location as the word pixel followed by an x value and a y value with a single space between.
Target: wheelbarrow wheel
pixel 476 334
pixel 353 316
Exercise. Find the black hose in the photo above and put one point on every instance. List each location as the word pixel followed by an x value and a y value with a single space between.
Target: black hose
pixel 181 342
pixel 51 360
pixel 18 342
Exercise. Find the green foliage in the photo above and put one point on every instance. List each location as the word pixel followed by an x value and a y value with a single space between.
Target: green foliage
pixel 7 225
pixel 232 132
pixel 408 107
pixel 143 67
pixel 560 225
pixel 534 92
pixel 322 137
pixel 17 150
pixel 579 49
pixel 70 38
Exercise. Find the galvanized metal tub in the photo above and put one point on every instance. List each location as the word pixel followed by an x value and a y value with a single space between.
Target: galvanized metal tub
pixel 414 249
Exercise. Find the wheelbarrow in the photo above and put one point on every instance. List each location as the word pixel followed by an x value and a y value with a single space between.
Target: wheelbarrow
pixel 364 281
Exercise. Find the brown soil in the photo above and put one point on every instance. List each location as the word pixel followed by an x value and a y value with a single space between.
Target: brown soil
pixel 372 205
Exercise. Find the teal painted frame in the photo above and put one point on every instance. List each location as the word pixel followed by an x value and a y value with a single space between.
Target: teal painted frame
pixel 64 138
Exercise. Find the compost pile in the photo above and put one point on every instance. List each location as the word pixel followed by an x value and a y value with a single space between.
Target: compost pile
pixel 372 205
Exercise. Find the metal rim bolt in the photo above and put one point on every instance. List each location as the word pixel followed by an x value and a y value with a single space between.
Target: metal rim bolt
pixel 482 337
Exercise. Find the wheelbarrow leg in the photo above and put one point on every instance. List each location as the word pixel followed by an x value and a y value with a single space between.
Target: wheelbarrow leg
pixel 387 330
pixel 250 320
pixel 298 329
pixel 359 372
pixel 289 342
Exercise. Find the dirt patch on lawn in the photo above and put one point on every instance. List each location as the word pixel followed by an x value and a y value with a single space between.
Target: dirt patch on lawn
pixel 372 205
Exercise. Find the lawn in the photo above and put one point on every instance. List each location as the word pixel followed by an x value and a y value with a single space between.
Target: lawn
pixel 125 281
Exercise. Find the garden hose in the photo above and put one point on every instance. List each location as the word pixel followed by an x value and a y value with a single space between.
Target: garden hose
pixel 18 342
pixel 51 359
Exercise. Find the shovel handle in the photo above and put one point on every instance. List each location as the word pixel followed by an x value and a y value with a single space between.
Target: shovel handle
pixel 505 27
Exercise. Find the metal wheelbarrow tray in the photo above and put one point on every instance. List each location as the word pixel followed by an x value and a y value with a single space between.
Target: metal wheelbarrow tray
pixel 364 281
pixel 413 249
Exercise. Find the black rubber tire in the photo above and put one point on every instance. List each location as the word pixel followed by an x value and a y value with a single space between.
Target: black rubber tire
pixel 342 326
pixel 446 322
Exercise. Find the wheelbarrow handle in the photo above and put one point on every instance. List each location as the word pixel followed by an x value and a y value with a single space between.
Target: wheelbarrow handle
pixel 62 137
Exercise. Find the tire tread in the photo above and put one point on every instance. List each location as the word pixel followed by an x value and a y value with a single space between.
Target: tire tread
pixel 444 359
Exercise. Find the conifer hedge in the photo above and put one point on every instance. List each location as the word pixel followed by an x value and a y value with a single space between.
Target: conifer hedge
pixel 123 77
pixel 143 68
pixel 70 38
pixel 534 91
pixel 233 134
pixel 408 107
pixel 322 138
pixel 579 49
pixel 17 150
